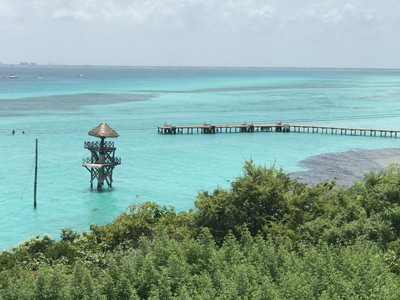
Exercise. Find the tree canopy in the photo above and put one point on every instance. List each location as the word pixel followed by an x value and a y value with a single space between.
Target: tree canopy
pixel 265 237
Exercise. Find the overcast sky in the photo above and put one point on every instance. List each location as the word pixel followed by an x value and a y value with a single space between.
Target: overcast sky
pixel 258 33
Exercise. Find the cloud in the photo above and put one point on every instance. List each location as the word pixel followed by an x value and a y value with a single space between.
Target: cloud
pixel 7 13
pixel 240 27
pixel 75 15
pixel 333 16
pixel 339 11
pixel 169 13
pixel 350 7
pixel 212 17
pixel 220 16
pixel 6 10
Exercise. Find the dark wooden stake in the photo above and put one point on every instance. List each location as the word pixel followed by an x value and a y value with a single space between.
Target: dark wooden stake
pixel 35 183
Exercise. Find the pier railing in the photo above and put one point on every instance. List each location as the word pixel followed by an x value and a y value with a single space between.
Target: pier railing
pixel 277 127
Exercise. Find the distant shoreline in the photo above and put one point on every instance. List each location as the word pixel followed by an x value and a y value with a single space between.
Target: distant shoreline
pixel 345 69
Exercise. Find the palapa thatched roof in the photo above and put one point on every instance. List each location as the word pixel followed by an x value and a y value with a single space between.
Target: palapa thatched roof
pixel 103 131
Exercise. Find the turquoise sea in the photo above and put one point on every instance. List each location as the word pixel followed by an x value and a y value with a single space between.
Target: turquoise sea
pixel 59 105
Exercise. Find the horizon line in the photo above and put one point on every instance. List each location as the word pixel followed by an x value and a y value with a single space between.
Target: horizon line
pixel 33 64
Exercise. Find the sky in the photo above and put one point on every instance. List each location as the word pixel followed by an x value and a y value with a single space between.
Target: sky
pixel 206 33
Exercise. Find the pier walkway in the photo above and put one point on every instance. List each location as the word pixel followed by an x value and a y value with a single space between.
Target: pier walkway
pixel 278 127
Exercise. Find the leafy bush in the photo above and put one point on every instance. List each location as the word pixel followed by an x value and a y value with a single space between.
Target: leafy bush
pixel 256 199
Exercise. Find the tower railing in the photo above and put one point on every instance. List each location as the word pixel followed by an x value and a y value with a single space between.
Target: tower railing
pixel 96 145
pixel 90 160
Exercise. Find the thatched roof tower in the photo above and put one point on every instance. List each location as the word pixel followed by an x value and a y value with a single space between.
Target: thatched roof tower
pixel 102 161
pixel 103 131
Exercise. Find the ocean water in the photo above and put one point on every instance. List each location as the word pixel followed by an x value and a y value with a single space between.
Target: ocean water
pixel 59 105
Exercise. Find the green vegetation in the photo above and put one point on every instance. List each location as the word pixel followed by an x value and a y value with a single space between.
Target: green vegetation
pixel 267 237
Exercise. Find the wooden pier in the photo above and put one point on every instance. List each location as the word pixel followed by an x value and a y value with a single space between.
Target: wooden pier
pixel 278 127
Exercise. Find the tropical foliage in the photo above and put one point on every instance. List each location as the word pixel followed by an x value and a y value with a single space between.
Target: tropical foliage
pixel 266 237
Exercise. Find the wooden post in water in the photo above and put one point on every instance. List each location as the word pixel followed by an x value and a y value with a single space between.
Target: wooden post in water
pixel 35 182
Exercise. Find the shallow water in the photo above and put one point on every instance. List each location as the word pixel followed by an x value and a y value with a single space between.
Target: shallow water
pixel 346 167
pixel 60 105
